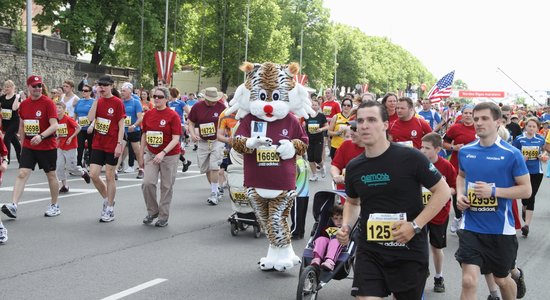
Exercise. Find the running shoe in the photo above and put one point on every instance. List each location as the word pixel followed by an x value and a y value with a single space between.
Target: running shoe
pixel 525 230
pixel 316 261
pixel 523 213
pixel 86 176
pixel 52 211
pixel 520 283
pixel 213 199
pixel 121 167
pixel 140 174
pixel 108 215
pixel 3 235
pixel 328 264
pixel 493 298
pixel 116 175
pixel 129 170
pixel 323 171
pixel 439 285
pixel 10 210
pixel 186 165
pixel 149 219
pixel 64 189
pixel 455 223
pixel 220 191
pixel 161 223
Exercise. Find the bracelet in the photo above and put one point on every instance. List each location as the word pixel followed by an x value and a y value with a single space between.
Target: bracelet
pixel 164 151
pixel 493 191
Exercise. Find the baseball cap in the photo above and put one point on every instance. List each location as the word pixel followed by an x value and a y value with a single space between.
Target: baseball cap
pixel 105 79
pixel 34 79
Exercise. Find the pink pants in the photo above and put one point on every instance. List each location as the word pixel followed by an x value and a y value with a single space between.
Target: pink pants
pixel 326 248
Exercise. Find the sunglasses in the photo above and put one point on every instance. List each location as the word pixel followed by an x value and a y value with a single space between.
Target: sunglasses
pixel 37 86
pixel 158 96
pixel 85 91
pixel 104 84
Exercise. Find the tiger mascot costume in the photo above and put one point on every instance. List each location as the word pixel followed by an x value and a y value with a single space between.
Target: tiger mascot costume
pixel 269 137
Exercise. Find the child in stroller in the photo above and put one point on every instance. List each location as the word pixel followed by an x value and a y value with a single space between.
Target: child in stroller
pixel 326 247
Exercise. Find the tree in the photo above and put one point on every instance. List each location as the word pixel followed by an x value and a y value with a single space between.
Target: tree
pixel 10 12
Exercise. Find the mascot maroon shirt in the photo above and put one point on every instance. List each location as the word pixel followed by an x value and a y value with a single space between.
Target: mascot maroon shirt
pixel 279 175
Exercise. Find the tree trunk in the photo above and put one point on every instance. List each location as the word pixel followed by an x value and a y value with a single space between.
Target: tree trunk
pixel 97 51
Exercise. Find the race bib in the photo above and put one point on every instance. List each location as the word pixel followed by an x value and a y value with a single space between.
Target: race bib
pixel 83 121
pixel 481 204
pixel 31 127
pixel 532 152
pixel 239 198
pixel 154 138
pixel 407 144
pixel 327 110
pixel 312 128
pixel 127 121
pixel 379 226
pixel 207 129
pixel 6 114
pixel 426 196
pixel 267 156
pixel 102 125
pixel 62 130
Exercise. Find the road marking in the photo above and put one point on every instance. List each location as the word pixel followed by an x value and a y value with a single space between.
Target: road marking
pixel 135 289
pixel 27 189
pixel 91 191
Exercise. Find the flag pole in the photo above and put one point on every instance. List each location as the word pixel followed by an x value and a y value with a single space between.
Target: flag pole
pixel 519 86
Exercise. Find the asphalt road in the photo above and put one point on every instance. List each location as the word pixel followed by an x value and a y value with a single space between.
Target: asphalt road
pixel 73 256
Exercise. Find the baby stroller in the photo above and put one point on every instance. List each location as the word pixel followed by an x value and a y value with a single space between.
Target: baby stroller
pixel 313 278
pixel 243 214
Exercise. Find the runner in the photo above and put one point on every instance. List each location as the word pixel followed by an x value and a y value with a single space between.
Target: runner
pixel 430 115
pixel 37 128
pixel 108 115
pixel 531 146
pixel 491 174
pixel 225 134
pixel 86 133
pixel 161 134
pixel 68 97
pixel 390 102
pixel 204 118
pixel 338 126
pixel 392 254
pixel 3 168
pixel 408 130
pixel 182 109
pixel 315 127
pixel 132 129
pixel 9 102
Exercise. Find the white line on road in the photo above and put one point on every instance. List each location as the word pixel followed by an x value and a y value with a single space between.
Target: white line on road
pixel 28 189
pixel 135 289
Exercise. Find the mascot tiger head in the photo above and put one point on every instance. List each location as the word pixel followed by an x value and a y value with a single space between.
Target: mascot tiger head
pixel 270 93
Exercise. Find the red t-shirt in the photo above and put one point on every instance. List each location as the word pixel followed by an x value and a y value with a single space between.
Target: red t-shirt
pixel 66 127
pixel 108 113
pixel 411 130
pixel 392 119
pixel 449 172
pixel 330 108
pixel 206 118
pixel 276 176
pixel 460 134
pixel 35 116
pixel 347 151
pixel 158 127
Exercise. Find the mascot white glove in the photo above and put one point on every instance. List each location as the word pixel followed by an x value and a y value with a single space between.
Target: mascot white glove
pixel 255 142
pixel 286 149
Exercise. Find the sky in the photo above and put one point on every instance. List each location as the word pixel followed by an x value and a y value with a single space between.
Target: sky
pixel 471 37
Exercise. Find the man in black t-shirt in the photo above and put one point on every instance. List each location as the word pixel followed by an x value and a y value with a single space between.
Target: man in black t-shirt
pixel 384 188
pixel 513 128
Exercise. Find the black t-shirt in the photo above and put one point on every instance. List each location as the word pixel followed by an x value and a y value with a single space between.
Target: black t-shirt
pixel 8 104
pixel 515 130
pixel 319 121
pixel 391 183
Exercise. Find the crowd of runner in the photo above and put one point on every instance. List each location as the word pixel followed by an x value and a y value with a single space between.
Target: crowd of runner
pixel 478 159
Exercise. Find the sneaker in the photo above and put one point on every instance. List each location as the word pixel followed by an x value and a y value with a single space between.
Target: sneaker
pixel 10 210
pixel 493 298
pixel 323 171
pixel 161 223
pixel 149 219
pixel 140 174
pixel 454 225
pixel 64 189
pixel 525 230
pixel 520 283
pixel 3 235
pixel 186 165
pixel 53 211
pixel 316 261
pixel 120 168
pixel 108 215
pixel 213 199
pixel 86 176
pixel 328 264
pixel 220 190
pixel 129 170
pixel 439 285
pixel 313 178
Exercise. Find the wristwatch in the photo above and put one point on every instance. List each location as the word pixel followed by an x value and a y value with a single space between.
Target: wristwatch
pixel 416 228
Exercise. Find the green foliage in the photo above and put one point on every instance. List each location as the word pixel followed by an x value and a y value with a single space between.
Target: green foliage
pixel 19 38
pixel 10 12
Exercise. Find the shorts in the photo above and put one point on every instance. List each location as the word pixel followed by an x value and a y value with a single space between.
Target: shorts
pixel 315 152
pixel 132 137
pixel 100 157
pixel 332 152
pixel 493 253
pixel 226 161
pixel 210 155
pixel 437 234
pixel 380 275
pixel 46 159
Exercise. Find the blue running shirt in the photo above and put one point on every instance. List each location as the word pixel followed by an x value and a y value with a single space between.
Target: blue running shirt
pixel 531 147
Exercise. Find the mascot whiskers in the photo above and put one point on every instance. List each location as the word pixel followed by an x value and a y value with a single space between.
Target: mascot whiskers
pixel 269 104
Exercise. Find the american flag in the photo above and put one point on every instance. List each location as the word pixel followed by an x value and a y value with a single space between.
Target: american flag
pixel 442 89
